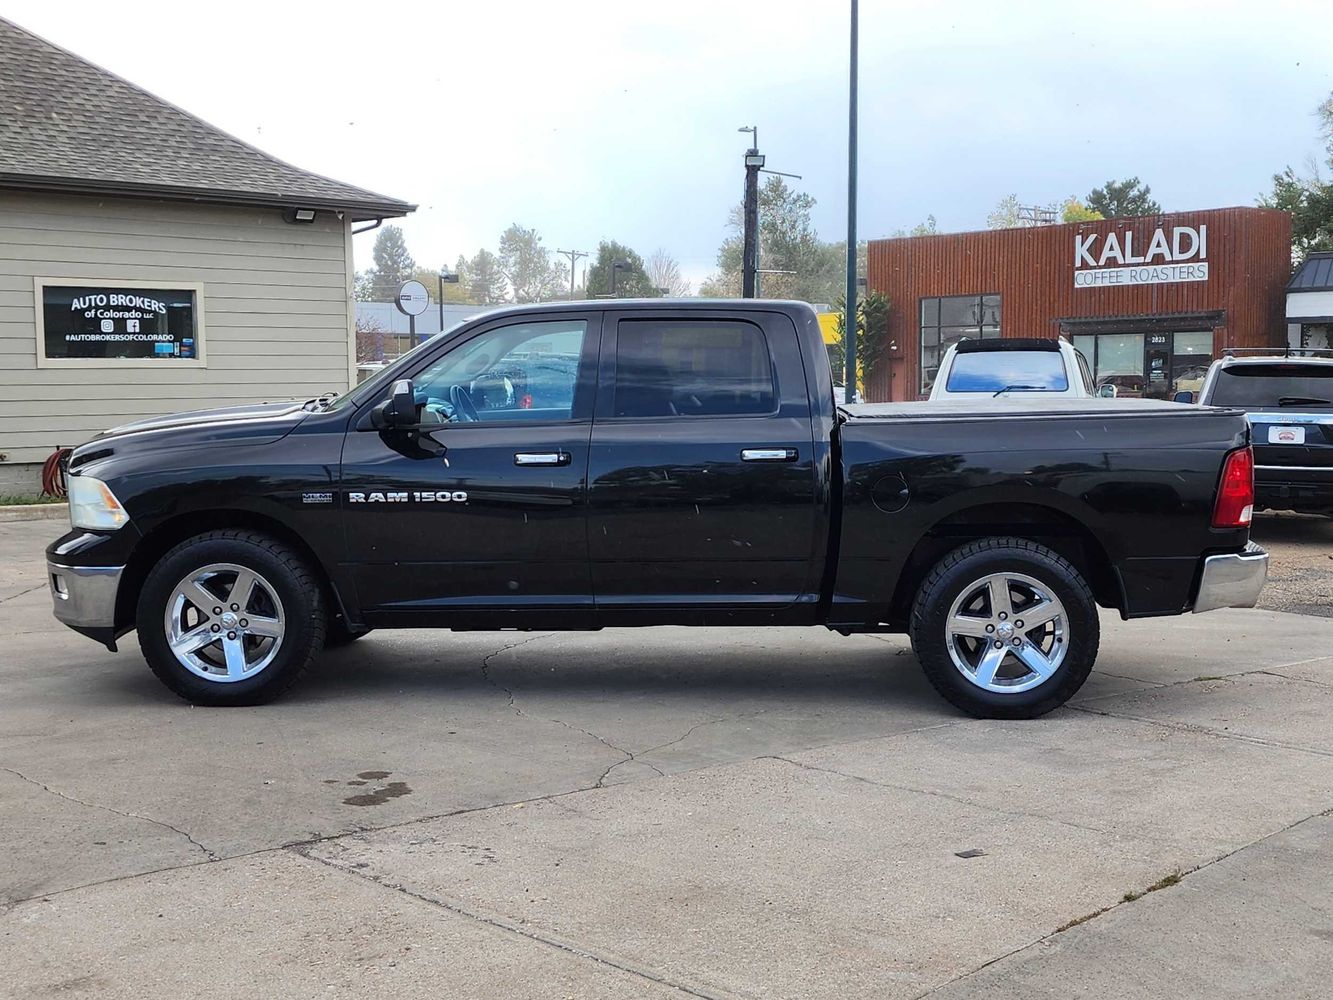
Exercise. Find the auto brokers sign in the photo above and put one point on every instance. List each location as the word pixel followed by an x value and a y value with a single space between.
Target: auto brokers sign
pixel 1172 254
pixel 128 322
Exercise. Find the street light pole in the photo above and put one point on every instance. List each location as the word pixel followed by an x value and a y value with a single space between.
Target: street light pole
pixel 850 311
pixel 452 278
pixel 750 246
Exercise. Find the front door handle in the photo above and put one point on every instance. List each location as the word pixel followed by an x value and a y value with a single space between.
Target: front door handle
pixel 542 458
pixel 768 454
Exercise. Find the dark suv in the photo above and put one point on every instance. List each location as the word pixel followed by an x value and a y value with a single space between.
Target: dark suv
pixel 1289 401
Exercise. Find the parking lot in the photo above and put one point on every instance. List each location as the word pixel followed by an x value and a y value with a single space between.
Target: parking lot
pixel 672 812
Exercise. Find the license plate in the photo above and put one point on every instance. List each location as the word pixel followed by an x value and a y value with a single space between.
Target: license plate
pixel 1286 435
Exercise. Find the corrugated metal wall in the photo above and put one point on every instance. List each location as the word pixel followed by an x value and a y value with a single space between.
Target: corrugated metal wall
pixel 1248 253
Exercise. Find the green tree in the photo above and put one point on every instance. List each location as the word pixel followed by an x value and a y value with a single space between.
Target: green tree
pixel 630 283
pixel 1308 199
pixel 485 281
pixel 927 228
pixel 787 243
pixel 527 266
pixel 1074 210
pixel 1005 215
pixel 393 265
pixel 453 291
pixel 1118 199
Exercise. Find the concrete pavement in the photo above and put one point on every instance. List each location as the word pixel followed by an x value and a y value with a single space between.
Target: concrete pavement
pixel 665 812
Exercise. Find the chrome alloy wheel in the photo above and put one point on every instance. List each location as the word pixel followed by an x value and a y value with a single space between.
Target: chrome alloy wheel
pixel 1007 633
pixel 224 623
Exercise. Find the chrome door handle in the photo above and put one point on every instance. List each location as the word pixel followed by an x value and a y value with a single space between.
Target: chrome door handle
pixel 542 458
pixel 768 454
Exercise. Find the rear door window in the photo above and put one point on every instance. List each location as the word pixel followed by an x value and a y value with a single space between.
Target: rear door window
pixel 986 371
pixel 692 368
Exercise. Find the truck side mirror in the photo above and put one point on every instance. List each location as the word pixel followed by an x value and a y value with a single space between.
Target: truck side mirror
pixel 399 410
pixel 1106 391
pixel 1183 396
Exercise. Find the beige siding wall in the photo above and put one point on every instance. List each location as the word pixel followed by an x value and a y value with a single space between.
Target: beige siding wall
pixel 276 305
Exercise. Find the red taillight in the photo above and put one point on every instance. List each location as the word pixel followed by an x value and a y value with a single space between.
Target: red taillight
pixel 1235 495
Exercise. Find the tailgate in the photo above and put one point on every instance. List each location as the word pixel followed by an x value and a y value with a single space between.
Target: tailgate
pixel 1295 440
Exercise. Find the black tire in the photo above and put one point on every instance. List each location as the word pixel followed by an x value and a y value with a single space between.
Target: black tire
pixel 961 570
pixel 292 580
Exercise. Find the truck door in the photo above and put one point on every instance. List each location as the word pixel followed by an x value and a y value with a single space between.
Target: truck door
pixel 483 507
pixel 701 471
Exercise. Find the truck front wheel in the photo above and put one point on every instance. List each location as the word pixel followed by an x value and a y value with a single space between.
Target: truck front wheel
pixel 230 617
pixel 1005 628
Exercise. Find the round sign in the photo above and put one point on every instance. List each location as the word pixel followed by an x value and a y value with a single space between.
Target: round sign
pixel 413 299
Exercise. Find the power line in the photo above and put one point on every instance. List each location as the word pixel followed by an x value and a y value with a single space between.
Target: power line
pixel 573 256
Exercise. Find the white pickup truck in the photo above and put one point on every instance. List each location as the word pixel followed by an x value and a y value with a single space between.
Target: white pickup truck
pixel 1014 366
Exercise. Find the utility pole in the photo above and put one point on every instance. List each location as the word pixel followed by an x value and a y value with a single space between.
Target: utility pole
pixel 573 256
pixel 850 311
pixel 750 250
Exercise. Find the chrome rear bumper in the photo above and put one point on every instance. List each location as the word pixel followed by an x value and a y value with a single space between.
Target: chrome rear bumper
pixel 84 596
pixel 1232 581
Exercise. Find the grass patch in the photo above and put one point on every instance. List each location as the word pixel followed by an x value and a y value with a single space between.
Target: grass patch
pixel 1208 677
pixel 27 499
pixel 1165 882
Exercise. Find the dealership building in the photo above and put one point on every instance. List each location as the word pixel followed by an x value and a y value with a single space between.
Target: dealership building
pixel 150 262
pixel 1150 301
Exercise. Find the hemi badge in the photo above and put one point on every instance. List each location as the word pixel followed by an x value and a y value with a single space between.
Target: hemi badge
pixel 317 498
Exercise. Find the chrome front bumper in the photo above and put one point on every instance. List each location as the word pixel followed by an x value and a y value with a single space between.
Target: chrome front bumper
pixel 84 596
pixel 1232 581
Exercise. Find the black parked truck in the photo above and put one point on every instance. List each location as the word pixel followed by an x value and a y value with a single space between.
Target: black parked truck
pixel 590 464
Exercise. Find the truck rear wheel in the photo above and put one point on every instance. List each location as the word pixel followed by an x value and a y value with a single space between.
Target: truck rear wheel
pixel 1005 628
pixel 230 617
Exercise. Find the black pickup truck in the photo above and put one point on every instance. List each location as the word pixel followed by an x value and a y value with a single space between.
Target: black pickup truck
pixel 592 464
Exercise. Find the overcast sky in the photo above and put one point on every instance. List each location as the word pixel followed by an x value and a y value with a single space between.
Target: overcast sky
pixel 600 120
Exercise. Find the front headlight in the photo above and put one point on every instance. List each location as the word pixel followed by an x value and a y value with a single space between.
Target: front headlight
pixel 93 505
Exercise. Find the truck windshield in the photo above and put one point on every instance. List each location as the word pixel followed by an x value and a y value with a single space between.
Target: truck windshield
pixel 1035 371
pixel 378 382
pixel 1282 384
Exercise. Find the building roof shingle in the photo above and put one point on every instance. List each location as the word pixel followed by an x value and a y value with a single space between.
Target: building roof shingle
pixel 69 125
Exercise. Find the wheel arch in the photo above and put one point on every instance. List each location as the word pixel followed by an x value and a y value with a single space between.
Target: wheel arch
pixel 171 532
pixel 1058 530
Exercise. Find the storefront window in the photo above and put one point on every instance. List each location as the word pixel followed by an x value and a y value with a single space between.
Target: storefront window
pixel 947 320
pixel 1191 354
pixel 1155 365
pixel 88 323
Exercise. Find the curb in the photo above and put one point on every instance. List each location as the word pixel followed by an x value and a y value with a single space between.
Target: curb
pixel 35 512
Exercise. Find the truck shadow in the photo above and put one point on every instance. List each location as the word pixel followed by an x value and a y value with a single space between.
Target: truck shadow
pixel 626 664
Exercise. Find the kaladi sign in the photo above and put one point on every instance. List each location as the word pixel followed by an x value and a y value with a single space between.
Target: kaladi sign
pixel 119 323
pixel 1160 260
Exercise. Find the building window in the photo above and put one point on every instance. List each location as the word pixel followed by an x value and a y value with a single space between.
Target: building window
pixel 946 321
pixel 82 323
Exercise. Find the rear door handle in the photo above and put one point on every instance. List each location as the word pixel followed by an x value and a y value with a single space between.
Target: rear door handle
pixel 768 454
pixel 542 458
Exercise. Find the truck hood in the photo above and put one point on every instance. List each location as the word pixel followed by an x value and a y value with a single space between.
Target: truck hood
pixel 265 419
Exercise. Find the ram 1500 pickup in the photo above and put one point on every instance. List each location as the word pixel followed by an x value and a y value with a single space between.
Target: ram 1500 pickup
pixel 592 464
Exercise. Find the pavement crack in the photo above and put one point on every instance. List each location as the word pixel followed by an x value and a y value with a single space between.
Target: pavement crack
pixel 119 812
pixel 524 930
pixel 486 669
pixel 1176 878
pixel 1086 828
pixel 626 755
pixel 21 593
pixel 1185 727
